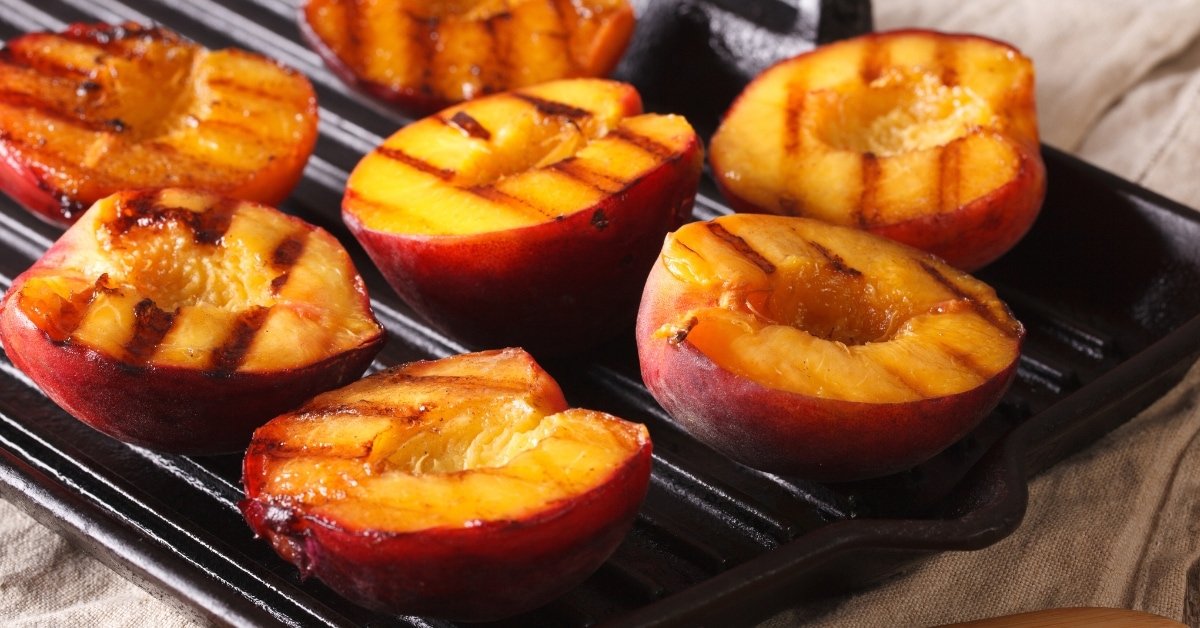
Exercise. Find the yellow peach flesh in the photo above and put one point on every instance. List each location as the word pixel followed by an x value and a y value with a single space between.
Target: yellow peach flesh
pixel 532 166
pixel 878 131
pixel 205 286
pixel 840 314
pixel 425 447
pixel 162 112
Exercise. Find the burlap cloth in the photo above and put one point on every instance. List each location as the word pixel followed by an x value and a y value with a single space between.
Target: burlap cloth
pixel 1117 525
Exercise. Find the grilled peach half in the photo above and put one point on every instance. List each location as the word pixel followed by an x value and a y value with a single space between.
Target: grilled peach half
pixel 182 320
pixel 926 138
pixel 528 218
pixel 817 351
pixel 422 56
pixel 461 488
pixel 97 109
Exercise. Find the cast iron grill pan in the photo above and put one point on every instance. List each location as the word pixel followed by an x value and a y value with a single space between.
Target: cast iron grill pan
pixel 1107 283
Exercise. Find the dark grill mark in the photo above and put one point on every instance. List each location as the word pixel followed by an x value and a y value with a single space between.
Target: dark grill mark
pixel 950 175
pixel 284 257
pixel 947 62
pixel 791 206
pixel 51 110
pixel 793 116
pixel 355 36
pixel 967 360
pixel 286 253
pixel 402 376
pixel 551 108
pixel 424 33
pixel 31 57
pixel 495 73
pixel 229 356
pixel 641 141
pixel 875 59
pixel 61 322
pixel 144 210
pixel 465 123
pixel 581 173
pixel 979 308
pixel 150 325
pixel 279 282
pixel 868 206
pixel 424 166
pixel 835 260
pixel 741 247
pixel 234 85
pixel 903 379
pixel 500 198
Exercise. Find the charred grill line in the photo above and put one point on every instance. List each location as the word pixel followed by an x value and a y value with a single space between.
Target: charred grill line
pixel 496 74
pixel 78 118
pixel 950 175
pixel 644 143
pixel 288 252
pixel 444 174
pixel 61 323
pixel 245 88
pixel 552 108
pixel 498 197
pixel 740 245
pixel 465 123
pixel 793 116
pixel 423 31
pixel 145 210
pixel 979 308
pixel 566 26
pixel 870 185
pixel 835 260
pixel 875 59
pixel 945 56
pixel 284 257
pixel 354 39
pixel 18 58
pixel 571 167
pixel 229 356
pixel 279 282
pixel 150 325
pixel 209 227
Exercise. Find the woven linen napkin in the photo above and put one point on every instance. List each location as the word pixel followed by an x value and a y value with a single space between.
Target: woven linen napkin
pixel 1116 525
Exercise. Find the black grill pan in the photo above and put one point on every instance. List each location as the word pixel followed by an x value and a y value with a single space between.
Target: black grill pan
pixel 1107 283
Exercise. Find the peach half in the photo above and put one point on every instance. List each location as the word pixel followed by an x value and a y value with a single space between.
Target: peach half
pixel 181 320
pixel 461 488
pixel 101 108
pixel 926 138
pixel 817 351
pixel 425 55
pixel 528 218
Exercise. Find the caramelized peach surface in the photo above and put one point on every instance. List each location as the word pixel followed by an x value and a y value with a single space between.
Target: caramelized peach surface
pixel 98 109
pixel 468 481
pixel 424 55
pixel 806 348
pixel 927 138
pixel 528 218
pixel 158 310
pixel 184 279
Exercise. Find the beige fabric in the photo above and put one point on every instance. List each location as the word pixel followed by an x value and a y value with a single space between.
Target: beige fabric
pixel 1118 525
